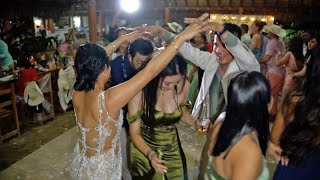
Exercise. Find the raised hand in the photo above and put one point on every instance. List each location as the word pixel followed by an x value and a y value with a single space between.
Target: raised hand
pixel 204 21
pixel 156 31
pixel 195 28
pixel 130 37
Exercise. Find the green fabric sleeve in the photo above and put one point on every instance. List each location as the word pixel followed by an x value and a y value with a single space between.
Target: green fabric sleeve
pixel 133 118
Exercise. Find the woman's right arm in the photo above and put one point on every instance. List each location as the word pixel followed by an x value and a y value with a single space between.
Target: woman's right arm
pixel 124 38
pixel 119 96
pixel 301 73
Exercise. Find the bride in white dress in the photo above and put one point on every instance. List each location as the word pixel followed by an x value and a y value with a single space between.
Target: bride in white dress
pixel 97 153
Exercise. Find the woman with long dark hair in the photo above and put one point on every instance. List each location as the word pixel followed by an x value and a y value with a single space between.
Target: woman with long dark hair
pixel 293 61
pixel 300 141
pixel 98 116
pixel 153 115
pixel 240 135
pixel 313 45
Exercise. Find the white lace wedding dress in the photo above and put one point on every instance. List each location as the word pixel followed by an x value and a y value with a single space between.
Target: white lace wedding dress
pixel 103 164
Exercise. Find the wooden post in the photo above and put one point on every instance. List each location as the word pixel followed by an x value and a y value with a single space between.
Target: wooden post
pixel 101 23
pixel 51 25
pixel 167 15
pixel 92 14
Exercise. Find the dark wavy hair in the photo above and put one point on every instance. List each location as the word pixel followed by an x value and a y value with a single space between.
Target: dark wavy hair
pixel 301 137
pixel 90 61
pixel 259 24
pixel 234 29
pixel 175 67
pixel 295 45
pixel 142 46
pixel 310 51
pixel 248 98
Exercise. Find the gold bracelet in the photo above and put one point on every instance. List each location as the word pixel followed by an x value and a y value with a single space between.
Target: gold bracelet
pixel 175 46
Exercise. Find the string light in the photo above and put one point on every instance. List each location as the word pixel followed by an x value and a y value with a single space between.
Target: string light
pixel 213 17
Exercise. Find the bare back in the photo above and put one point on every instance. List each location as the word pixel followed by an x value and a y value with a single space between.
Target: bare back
pixel 99 137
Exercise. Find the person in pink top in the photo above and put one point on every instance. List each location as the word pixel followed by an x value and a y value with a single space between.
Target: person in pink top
pixel 292 60
pixel 274 74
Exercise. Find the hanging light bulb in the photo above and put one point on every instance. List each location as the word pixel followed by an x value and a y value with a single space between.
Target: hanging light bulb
pixel 130 6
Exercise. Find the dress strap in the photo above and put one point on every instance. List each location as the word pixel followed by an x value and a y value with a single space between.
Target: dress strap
pixel 186 105
pixel 134 117
pixel 101 105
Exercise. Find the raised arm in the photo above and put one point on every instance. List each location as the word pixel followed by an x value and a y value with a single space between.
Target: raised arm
pixel 119 96
pixel 193 54
pixel 282 60
pixel 245 59
pixel 186 116
pixel 124 38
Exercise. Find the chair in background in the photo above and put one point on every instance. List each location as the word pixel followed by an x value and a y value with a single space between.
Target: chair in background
pixel 8 111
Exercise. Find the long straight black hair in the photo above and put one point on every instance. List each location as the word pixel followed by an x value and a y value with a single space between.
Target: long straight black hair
pixel 248 98
pixel 175 67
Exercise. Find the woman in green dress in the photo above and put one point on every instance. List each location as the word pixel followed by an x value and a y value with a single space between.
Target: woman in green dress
pixel 240 135
pixel 155 151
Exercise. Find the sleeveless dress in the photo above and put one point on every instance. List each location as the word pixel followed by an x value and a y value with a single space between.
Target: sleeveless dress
pixel 104 164
pixel 212 174
pixel 162 137
pixel 290 85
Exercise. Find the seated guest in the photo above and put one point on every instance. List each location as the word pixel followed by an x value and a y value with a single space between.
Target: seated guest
pixel 300 140
pixel 6 60
pixel 27 74
pixel 239 138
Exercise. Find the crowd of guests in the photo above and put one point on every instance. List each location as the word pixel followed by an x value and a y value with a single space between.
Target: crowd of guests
pixel 129 96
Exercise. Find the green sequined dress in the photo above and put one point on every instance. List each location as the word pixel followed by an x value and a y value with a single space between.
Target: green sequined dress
pixel 161 135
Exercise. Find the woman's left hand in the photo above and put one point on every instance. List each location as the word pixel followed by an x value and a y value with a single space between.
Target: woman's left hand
pixel 274 150
pixel 284 160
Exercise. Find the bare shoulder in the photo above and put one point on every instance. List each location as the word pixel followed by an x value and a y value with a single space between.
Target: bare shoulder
pixel 256 37
pixel 246 158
